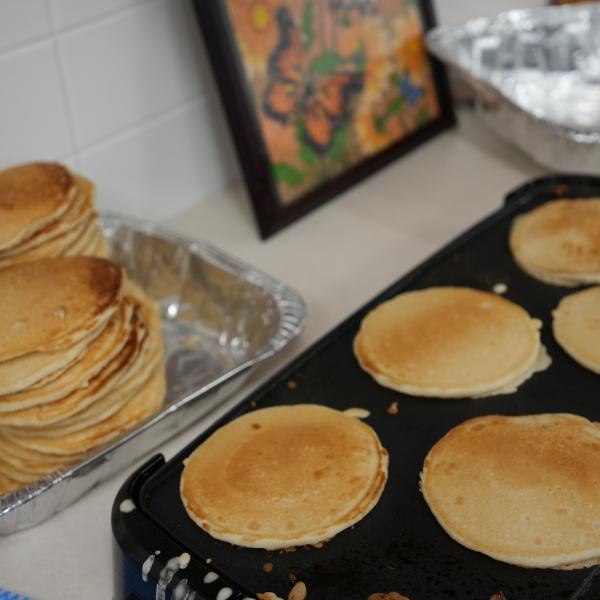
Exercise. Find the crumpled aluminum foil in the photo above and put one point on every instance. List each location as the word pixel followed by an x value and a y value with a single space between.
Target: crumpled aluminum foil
pixel 536 78
pixel 220 317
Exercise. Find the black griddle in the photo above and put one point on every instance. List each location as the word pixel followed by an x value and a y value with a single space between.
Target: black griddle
pixel 399 546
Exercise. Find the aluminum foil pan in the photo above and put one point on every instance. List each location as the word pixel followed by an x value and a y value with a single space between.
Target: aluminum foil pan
pixel 220 317
pixel 536 78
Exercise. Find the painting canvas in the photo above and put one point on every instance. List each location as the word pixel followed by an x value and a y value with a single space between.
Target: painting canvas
pixel 328 87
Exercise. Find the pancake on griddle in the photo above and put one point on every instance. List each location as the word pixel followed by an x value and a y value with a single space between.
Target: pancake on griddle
pixel 576 326
pixel 559 241
pixel 524 490
pixel 450 342
pixel 284 476
pixel 46 212
pixel 87 308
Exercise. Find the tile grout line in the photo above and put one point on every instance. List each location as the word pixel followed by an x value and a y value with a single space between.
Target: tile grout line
pixel 63 81
pixel 146 122
pixel 86 23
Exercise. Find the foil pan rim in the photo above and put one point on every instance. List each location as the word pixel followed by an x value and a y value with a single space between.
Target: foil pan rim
pixel 437 42
pixel 27 506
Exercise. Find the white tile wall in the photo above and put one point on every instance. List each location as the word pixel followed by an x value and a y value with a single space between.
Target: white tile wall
pixel 23 21
pixel 129 67
pixel 120 89
pixel 69 13
pixel 166 160
pixel 33 115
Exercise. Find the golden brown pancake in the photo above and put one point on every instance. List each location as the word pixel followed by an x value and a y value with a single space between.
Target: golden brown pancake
pixel 144 404
pixel 450 342
pixel 8 485
pixel 31 197
pixel 52 304
pixel 102 383
pixel 80 209
pixel 55 247
pixel 284 476
pixel 17 374
pixel 576 326
pixel 559 242
pixel 77 375
pixel 117 383
pixel 87 239
pixel 523 490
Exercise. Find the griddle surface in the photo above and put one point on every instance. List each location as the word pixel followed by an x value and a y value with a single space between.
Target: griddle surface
pixel 399 545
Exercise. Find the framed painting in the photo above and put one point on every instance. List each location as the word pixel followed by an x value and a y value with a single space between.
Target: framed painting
pixel 321 93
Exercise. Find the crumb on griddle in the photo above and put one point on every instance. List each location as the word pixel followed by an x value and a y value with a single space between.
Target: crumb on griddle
pixel 292 577
pixel 292 385
pixel 267 567
pixel 253 405
pixel 298 592
pixel 498 596
pixel 318 545
pixel 387 596
pixel 208 561
pixel 393 408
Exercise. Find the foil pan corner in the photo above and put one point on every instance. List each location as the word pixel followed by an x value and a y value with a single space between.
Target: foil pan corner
pixel 535 77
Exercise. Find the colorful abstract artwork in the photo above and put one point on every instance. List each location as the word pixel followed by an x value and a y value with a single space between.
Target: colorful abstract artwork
pixel 331 83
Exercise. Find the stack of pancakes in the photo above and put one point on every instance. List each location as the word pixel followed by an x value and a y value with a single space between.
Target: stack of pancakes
pixel 81 361
pixel 46 211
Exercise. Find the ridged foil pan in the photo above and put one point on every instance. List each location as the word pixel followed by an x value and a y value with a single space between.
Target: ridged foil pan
pixel 536 78
pixel 220 317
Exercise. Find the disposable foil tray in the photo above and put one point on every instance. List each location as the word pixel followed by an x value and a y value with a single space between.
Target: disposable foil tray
pixel 220 317
pixel 535 75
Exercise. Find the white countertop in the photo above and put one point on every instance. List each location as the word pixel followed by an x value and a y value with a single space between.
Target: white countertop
pixel 338 257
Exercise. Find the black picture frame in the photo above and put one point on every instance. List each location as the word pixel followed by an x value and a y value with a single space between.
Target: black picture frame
pixel 238 103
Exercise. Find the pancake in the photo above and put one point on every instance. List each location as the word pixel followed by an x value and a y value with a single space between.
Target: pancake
pixel 559 242
pixel 29 462
pixel 95 245
pixel 450 342
pixel 85 238
pixel 105 406
pixel 77 375
pixel 116 383
pixel 54 248
pixel 31 197
pixel 576 327
pixel 523 490
pixel 33 461
pixel 79 210
pixel 8 485
pixel 18 373
pixel 284 476
pixel 52 304
pixel 145 403
pixel 110 375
